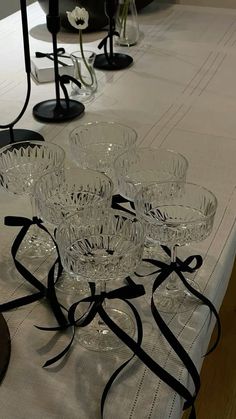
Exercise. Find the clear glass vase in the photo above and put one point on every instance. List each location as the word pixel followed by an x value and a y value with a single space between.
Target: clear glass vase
pixel 127 23
pixel 84 72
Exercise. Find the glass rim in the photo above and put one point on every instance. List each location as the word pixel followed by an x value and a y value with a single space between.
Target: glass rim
pixel 66 220
pixel 195 185
pixel 84 51
pixel 34 142
pixel 42 177
pixel 173 152
pixel 100 123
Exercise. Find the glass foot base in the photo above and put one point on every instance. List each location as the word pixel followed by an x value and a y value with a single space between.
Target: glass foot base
pixel 72 284
pixel 176 301
pixel 82 96
pixel 98 337
pixel 36 246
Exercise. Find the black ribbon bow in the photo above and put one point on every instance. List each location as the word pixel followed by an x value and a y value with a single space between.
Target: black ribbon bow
pixel 43 291
pixel 103 44
pixel 124 293
pixel 179 267
pixel 65 79
pixel 60 53
pixel 117 200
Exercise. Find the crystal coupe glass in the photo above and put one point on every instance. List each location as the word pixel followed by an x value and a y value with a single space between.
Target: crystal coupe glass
pixel 175 214
pixel 59 195
pixel 21 164
pixel 101 245
pixel 142 166
pixel 96 145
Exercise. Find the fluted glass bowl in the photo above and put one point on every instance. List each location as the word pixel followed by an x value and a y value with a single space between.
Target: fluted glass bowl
pixel 21 165
pixel 100 244
pixel 59 196
pixel 142 166
pixel 96 145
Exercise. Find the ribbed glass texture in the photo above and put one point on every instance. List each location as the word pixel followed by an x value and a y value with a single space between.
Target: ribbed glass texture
pixel 22 163
pixel 145 165
pixel 100 244
pixel 176 213
pixel 58 195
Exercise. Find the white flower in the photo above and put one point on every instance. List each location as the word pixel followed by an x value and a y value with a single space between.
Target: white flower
pixel 78 18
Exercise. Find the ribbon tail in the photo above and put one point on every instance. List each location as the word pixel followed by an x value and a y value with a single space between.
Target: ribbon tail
pixel 19 302
pixel 61 354
pixel 152 365
pixel 117 200
pixel 122 366
pixel 106 53
pixel 51 295
pixel 64 89
pixel 177 347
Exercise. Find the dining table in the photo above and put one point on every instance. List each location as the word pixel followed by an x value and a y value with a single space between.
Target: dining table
pixel 179 94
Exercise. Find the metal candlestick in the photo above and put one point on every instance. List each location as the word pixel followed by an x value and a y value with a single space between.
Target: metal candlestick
pixel 57 110
pixel 111 60
pixel 10 134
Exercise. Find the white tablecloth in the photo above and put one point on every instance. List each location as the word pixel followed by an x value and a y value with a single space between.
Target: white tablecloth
pixel 179 94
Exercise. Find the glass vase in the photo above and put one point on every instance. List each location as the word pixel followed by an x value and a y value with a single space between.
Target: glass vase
pixel 127 23
pixel 84 72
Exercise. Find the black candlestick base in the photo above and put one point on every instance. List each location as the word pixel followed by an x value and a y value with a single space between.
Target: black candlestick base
pixel 118 62
pixel 49 111
pixel 19 135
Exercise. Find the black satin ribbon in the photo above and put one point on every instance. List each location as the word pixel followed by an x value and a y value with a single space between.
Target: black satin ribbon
pixel 43 291
pixel 60 53
pixel 124 293
pixel 65 79
pixel 163 272
pixel 103 44
pixel 179 267
pixel 117 200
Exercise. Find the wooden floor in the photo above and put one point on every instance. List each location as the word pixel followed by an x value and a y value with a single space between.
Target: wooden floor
pixel 217 396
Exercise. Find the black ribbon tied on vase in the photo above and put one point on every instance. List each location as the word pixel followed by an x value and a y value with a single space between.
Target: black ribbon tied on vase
pixel 43 291
pixel 64 79
pixel 125 293
pixel 103 44
pixel 60 53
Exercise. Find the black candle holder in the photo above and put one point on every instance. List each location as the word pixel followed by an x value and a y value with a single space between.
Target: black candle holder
pixel 57 110
pixel 9 134
pixel 112 60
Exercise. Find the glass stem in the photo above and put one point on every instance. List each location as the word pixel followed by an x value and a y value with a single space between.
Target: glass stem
pixel 101 324
pixel 34 229
pixel 172 284
pixel 103 288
